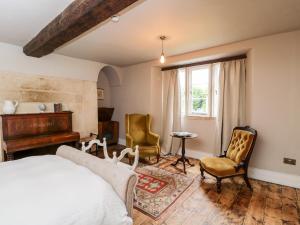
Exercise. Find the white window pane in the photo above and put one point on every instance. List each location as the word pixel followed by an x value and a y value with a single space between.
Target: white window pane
pixel 200 106
pixel 199 90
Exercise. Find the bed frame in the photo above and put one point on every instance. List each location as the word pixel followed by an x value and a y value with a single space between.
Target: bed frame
pixel 114 159
pixel 123 180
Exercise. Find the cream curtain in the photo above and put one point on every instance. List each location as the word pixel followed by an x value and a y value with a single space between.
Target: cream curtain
pixel 232 98
pixel 1 156
pixel 171 111
pixel 1 151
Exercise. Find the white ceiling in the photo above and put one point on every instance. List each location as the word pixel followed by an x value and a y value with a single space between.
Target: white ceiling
pixel 21 20
pixel 189 24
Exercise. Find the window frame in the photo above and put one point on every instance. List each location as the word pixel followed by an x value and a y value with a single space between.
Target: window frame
pixel 188 92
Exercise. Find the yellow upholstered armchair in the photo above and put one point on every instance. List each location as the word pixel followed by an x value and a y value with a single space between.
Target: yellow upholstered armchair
pixel 138 132
pixel 234 161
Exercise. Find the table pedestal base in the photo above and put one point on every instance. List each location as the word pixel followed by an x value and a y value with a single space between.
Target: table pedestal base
pixel 183 159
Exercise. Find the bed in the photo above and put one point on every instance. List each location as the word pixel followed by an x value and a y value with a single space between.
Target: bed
pixel 71 187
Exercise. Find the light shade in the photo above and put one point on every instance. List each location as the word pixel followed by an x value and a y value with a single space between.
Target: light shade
pixel 162 58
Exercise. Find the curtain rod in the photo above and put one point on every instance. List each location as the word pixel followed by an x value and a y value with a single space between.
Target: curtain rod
pixel 225 59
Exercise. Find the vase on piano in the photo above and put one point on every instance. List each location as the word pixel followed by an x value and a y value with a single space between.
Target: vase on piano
pixel 9 107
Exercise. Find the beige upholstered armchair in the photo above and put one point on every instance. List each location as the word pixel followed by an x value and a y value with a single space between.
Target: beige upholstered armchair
pixel 138 132
pixel 234 161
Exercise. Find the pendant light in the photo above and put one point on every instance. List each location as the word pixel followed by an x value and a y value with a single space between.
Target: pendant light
pixel 162 56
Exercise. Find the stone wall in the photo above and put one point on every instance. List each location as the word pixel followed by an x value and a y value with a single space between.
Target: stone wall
pixel 78 96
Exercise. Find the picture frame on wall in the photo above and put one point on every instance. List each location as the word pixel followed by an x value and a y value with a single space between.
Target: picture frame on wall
pixel 100 93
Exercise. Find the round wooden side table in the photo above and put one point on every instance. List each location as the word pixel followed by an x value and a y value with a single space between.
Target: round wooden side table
pixel 183 136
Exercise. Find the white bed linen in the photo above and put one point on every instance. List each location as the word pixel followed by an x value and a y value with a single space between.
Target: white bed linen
pixel 50 190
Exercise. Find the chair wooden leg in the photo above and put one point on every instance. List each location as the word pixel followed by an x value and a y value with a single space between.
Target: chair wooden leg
pixel 218 185
pixel 202 172
pixel 157 158
pixel 247 181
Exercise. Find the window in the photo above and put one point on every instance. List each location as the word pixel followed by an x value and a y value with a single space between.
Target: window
pixel 199 90
pixel 199 81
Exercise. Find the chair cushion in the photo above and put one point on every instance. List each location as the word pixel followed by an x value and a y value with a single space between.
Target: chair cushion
pixel 147 151
pixel 220 167
pixel 240 145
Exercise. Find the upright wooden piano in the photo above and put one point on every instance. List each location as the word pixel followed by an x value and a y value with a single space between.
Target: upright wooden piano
pixel 29 131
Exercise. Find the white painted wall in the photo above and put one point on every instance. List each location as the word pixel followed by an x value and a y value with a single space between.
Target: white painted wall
pixel 273 93
pixel 133 95
pixel 13 59
pixel 156 100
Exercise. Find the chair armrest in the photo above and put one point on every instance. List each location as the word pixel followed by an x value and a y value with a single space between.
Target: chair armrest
pixel 153 138
pixel 129 141
pixel 239 166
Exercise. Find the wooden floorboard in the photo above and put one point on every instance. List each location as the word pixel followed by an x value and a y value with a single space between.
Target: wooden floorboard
pixel 268 204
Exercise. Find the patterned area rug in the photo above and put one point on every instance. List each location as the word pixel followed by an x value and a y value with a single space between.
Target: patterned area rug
pixel 158 189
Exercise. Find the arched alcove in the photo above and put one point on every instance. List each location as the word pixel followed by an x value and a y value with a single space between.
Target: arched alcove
pixel 108 77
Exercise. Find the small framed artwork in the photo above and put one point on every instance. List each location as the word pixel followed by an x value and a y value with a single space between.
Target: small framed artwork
pixel 100 93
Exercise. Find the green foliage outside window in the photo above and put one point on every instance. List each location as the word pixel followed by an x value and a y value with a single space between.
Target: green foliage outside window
pixel 199 99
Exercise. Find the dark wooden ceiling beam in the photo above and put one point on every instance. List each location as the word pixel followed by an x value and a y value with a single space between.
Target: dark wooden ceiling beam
pixel 77 18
